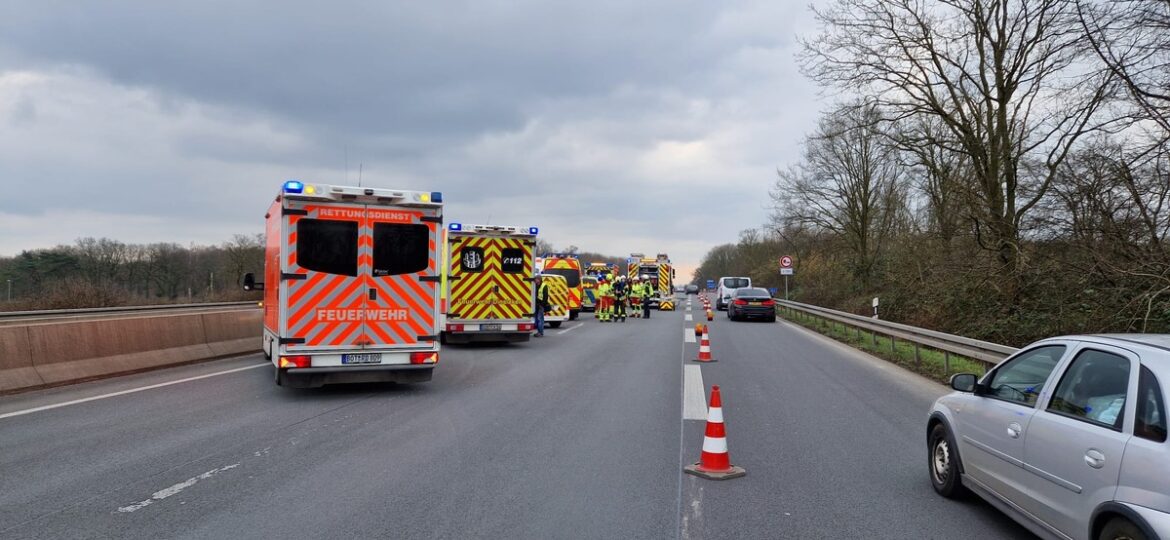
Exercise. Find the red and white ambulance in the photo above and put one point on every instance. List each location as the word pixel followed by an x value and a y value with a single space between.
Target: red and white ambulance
pixel 351 284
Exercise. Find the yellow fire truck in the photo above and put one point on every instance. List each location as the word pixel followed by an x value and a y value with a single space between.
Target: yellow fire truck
pixel 657 271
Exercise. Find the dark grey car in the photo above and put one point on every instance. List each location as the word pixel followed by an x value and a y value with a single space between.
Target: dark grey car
pixel 751 302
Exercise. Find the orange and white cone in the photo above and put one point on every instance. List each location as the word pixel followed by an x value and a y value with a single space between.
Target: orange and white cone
pixel 705 347
pixel 715 462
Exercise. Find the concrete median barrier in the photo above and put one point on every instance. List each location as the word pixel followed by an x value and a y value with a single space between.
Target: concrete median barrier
pixel 61 352
pixel 16 367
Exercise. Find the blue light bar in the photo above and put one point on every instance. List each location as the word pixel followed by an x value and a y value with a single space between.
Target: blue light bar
pixel 455 226
pixel 294 186
pixel 436 196
pixel 533 231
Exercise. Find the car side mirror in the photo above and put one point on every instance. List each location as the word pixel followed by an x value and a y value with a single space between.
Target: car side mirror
pixel 250 283
pixel 964 382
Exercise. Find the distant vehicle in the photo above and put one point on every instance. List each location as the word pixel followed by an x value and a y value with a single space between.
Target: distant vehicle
pixel 568 267
pixel 692 289
pixel 727 285
pixel 748 303
pixel 1067 436
pixel 558 296
pixel 351 284
pixel 658 272
pixel 589 293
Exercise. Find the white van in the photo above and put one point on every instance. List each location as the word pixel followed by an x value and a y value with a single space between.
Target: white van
pixel 727 286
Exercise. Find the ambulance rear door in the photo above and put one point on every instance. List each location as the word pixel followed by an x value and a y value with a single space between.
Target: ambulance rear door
pixel 358 277
pixel 491 278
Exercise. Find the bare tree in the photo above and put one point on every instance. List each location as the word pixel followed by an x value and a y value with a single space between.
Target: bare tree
pixel 1007 79
pixel 1132 38
pixel 849 183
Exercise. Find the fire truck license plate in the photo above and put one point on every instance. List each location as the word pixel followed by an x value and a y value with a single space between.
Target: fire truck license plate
pixel 490 327
pixel 365 358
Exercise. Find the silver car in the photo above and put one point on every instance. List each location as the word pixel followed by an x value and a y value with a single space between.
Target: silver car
pixel 1067 436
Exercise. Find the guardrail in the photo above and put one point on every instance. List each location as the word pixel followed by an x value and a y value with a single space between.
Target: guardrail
pixel 984 351
pixel 122 310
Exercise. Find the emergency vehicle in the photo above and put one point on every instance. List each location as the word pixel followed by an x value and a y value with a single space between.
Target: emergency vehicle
pixel 589 291
pixel 569 267
pixel 488 283
pixel 351 284
pixel 657 271
pixel 597 269
pixel 558 296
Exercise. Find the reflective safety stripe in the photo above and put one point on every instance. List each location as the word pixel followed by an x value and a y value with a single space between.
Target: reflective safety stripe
pixel 715 414
pixel 715 445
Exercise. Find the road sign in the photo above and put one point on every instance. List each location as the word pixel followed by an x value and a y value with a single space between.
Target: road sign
pixel 710 284
pixel 786 272
pixel 786 262
pixel 773 290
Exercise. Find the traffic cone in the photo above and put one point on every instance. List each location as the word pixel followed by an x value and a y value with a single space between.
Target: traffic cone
pixel 715 463
pixel 705 348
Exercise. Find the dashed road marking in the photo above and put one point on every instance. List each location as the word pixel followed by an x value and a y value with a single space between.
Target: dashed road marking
pixel 689 317
pixel 569 329
pixel 694 398
pixel 688 335
pixel 175 489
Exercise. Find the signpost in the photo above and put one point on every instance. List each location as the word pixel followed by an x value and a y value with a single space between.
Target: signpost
pixel 786 270
pixel 875 306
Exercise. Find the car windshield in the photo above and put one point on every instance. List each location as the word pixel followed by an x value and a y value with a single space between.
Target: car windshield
pixel 572 276
pixel 735 282
pixel 752 293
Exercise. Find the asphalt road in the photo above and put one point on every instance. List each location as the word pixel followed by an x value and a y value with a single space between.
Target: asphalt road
pixel 577 435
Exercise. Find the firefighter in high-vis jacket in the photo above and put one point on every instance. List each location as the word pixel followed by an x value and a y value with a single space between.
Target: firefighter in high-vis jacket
pixel 647 294
pixel 635 297
pixel 620 292
pixel 605 293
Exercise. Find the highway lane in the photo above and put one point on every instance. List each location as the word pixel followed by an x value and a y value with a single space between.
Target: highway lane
pixel 578 435
pixel 833 441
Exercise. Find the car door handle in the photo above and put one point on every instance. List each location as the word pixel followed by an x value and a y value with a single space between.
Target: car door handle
pixel 1013 430
pixel 1094 458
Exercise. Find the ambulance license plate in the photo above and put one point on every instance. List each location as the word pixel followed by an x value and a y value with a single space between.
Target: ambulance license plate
pixel 363 358
pixel 490 327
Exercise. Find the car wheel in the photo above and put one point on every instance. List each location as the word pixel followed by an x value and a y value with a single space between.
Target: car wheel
pixel 278 379
pixel 1120 528
pixel 944 463
pixel 555 324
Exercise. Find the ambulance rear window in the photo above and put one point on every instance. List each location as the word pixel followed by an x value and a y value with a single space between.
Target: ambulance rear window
pixel 329 246
pixel 400 249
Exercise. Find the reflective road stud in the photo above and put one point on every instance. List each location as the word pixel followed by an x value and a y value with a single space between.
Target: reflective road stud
pixel 715 462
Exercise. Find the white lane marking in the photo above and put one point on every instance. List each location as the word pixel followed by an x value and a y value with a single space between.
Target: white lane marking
pixel 689 317
pixel 694 400
pixel 688 335
pixel 175 489
pixel 130 391
pixel 578 325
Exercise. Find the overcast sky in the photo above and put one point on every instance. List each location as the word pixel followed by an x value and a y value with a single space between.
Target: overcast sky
pixel 615 126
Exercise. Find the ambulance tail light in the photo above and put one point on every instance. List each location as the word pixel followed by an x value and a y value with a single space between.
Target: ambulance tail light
pixel 299 361
pixel 424 358
pixel 526 327
pixel 454 327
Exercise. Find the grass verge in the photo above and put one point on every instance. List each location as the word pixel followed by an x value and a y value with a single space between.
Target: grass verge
pixel 931 363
